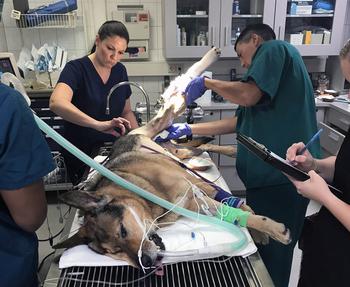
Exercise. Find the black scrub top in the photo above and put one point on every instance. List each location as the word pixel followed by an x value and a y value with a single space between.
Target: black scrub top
pixel 90 96
pixel 326 254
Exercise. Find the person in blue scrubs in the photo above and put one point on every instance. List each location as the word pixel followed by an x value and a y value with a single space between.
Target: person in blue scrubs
pixel 24 159
pixel 276 107
pixel 80 97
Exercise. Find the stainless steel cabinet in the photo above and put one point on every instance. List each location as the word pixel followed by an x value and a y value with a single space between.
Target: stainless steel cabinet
pixel 209 116
pixel 330 140
pixel 335 126
pixel 192 27
pixel 225 164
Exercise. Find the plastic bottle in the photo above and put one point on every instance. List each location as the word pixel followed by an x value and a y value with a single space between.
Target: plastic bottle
pixel 201 39
pixel 235 7
pixel 322 83
pixel 233 36
pixel 183 37
pixel 238 32
pixel 178 36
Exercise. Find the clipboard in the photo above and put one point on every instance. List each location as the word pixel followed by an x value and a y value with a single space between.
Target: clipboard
pixel 275 160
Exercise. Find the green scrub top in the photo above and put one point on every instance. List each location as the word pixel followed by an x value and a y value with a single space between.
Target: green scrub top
pixel 285 114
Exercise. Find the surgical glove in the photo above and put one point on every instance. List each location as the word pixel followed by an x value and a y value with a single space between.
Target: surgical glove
pixel 194 90
pixel 175 131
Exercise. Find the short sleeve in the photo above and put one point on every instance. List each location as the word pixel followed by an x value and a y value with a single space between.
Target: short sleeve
pixel 267 68
pixel 24 154
pixel 71 75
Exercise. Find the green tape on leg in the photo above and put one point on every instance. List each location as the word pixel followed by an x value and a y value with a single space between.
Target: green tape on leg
pixel 233 215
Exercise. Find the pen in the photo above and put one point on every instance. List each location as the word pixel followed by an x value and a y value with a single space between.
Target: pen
pixel 315 136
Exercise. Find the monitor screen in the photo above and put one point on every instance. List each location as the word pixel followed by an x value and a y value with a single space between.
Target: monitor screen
pixel 6 66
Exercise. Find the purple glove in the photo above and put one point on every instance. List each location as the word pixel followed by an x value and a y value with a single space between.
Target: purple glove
pixel 176 131
pixel 194 90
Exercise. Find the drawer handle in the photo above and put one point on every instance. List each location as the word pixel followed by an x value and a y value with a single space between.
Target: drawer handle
pixel 334 136
pixel 345 122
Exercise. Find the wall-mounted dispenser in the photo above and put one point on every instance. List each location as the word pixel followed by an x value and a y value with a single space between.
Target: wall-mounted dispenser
pixel 137 21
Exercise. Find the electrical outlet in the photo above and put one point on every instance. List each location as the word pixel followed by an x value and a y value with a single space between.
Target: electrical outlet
pixel 174 69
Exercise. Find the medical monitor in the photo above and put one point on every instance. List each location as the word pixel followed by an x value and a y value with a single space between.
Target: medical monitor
pixel 8 64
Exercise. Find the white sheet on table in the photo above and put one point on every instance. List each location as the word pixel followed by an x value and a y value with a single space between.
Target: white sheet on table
pixel 177 237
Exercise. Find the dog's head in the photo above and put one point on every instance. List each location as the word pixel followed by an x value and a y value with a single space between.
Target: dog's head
pixel 115 226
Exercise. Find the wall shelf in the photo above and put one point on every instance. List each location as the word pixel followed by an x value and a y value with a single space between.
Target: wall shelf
pixel 67 20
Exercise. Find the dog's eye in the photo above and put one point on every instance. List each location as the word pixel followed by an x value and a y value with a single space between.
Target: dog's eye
pixel 123 231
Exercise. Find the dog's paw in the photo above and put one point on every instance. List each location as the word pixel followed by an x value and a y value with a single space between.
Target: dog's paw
pixel 281 233
pixel 258 236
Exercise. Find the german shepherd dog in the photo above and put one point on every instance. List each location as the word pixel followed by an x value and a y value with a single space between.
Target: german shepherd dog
pixel 119 223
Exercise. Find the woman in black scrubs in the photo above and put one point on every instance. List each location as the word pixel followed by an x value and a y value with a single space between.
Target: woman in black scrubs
pixel 326 240
pixel 80 97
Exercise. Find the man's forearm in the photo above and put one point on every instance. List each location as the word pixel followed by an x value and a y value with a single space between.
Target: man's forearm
pixel 224 126
pixel 241 93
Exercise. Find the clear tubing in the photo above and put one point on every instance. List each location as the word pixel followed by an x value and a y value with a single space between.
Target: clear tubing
pixel 223 248
pixel 167 253
pixel 233 229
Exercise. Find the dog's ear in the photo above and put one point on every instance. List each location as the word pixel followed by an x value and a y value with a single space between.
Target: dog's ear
pixel 97 248
pixel 84 200
pixel 78 238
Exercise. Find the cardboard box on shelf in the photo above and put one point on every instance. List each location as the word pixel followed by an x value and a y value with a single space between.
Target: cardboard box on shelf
pixel 307 37
pixel 326 37
pixel 303 9
pixel 295 39
pixel 316 38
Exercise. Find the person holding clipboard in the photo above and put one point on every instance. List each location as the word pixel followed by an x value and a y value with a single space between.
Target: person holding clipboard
pixel 326 236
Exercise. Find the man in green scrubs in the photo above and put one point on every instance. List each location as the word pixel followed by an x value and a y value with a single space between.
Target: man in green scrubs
pixel 276 108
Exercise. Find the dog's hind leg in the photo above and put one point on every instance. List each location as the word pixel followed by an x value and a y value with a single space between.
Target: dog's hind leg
pixel 228 150
pixel 174 100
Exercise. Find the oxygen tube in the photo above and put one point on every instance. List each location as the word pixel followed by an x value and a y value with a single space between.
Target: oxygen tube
pixel 242 241
pixel 230 227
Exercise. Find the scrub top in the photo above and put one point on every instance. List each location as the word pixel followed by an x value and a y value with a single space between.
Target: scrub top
pixel 24 158
pixel 285 114
pixel 326 251
pixel 90 96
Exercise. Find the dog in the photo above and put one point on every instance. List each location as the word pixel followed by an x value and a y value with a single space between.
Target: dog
pixel 120 224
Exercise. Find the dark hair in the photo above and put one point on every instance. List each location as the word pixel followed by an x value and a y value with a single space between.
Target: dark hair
pixel 263 30
pixel 112 28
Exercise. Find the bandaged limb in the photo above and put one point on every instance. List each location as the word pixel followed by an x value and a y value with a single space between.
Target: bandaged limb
pixel 233 215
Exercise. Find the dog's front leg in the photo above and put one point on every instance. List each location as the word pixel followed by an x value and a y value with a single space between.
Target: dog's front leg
pixel 275 230
pixel 244 217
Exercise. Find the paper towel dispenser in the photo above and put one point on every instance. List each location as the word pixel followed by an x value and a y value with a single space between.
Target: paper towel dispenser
pixel 137 21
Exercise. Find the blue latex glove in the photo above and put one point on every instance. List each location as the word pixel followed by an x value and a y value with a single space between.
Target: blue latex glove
pixel 176 131
pixel 194 90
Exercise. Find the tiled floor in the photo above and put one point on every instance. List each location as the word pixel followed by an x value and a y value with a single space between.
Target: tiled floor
pixel 56 220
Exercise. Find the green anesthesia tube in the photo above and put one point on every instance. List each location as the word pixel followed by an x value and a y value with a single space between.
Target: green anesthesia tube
pixel 233 229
